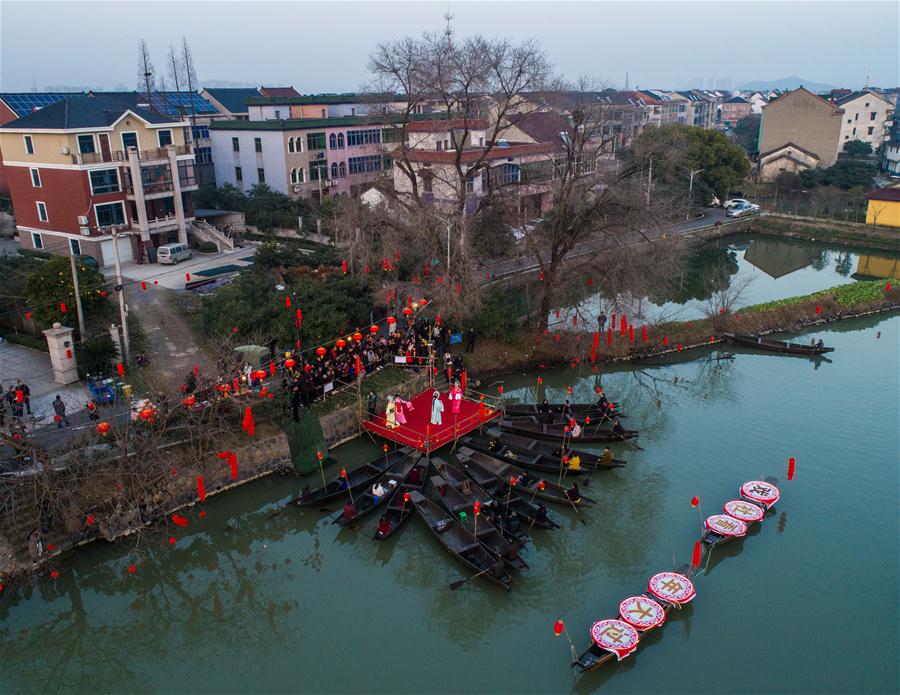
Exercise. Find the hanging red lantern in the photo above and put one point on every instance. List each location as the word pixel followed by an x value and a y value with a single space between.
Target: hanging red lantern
pixel 541 485
pixel 500 390
pixel 887 287
pixel 476 508
pixel 344 473
pixel 695 559
pixel 630 332
pixel 587 420
pixel 391 320
pixel 27 314
pixel 423 302
pixel 818 309
pixel 144 286
pixel 271 369
pixel 792 463
pixel 384 264
pixel 513 481
pixel 287 302
pixel 540 380
pixel 341 343
pixel 679 346
pixel 558 627
pixel 298 318
pixel 541 276
pixel 190 401
pixel 344 267
pixel 290 363
pixel 373 329
pixel 120 368
pixel 406 498
pixel 665 341
pixel 179 520
pixel 260 374
pixel 62 307
pixel 320 351
pixel 232 464
pixel 384 448
pixel 695 501
pixel 319 455
pixel 103 427
pixel 147 413
pixel 357 336
pixel 407 311
pixel 201 489
pixel 248 424
pixel 69 353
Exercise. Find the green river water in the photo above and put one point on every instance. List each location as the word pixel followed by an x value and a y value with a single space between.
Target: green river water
pixel 287 602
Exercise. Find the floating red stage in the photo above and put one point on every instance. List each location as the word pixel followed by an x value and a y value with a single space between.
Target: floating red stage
pixel 419 433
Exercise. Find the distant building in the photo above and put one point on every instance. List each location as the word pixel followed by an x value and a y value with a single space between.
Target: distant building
pixel 890 154
pixel 799 130
pixel 867 117
pixel 85 166
pixel 733 110
pixel 230 102
pixel 757 101
pixel 884 207
pixel 263 108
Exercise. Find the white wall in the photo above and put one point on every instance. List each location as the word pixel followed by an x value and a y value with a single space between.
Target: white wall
pixel 271 159
pixel 858 118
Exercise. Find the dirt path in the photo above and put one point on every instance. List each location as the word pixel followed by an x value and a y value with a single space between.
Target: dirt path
pixel 173 348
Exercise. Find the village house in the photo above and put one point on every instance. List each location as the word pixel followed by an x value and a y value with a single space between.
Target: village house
pixel 867 117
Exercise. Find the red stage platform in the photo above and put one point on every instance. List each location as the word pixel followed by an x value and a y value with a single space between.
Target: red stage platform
pixel 419 433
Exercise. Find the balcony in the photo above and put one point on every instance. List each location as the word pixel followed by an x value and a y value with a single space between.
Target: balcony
pixel 169 223
pixel 154 156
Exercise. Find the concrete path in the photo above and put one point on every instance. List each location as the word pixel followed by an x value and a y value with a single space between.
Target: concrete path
pixel 33 366
pixel 172 276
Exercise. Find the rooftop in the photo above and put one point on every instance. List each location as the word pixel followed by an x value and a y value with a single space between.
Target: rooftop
pixel 234 99
pixel 304 99
pixel 891 194
pixel 279 92
pixel 83 112
pixel 428 157
pixel 438 125
pixel 310 123
pixel 541 126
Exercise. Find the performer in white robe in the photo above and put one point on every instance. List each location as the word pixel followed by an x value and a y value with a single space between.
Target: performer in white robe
pixel 437 407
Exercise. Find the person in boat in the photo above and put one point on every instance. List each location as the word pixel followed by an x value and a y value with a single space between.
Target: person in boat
pixel 602 403
pixel 527 479
pixel 617 428
pixel 414 477
pixel 573 493
pixel 544 409
pixel 492 444
pixel 566 407
pixel 384 526
pixel 606 456
pixel 819 344
pixel 498 568
pixel 349 511
pixel 514 525
pixel 541 514
pixel 306 495
pixel 576 431
pixel 574 463
pixel 377 492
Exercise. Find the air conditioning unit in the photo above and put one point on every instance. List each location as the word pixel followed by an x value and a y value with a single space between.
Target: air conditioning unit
pixel 64 150
pixel 82 220
pixel 85 231
pixel 296 188
pixel 320 155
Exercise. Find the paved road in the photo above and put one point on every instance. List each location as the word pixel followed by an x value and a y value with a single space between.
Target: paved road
pixel 527 264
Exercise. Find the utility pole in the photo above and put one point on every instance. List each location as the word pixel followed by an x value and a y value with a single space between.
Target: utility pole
pixel 77 298
pixel 120 287
pixel 691 185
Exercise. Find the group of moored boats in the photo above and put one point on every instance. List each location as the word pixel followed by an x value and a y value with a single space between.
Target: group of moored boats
pixel 483 506
pixel 616 638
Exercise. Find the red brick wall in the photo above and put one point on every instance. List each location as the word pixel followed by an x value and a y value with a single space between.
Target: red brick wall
pixel 66 192
pixel 6 115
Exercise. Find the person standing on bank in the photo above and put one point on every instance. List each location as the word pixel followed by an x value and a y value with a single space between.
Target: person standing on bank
pixel 59 407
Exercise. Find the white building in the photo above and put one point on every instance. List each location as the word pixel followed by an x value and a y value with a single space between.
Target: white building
pixel 867 117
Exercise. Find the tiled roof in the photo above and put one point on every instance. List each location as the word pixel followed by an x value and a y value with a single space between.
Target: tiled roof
pixel 279 92
pixel 834 108
pixel 309 123
pixel 305 99
pixel 23 103
pixel 234 99
pixel 785 146
pixel 438 125
pixel 891 194
pixel 856 95
pixel 470 156
pixel 82 112
pixel 541 126
pixel 736 100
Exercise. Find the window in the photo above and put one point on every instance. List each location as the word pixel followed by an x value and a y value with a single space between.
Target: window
pixel 334 170
pixel 318 170
pixel 391 135
pixel 873 115
pixel 332 141
pixel 315 141
pixel 110 214
pixel 129 140
pixel 75 247
pixel 290 144
pixel 343 169
pixel 470 184
pixel 257 144
pixel 238 174
pixel 363 137
pixel 36 240
pixel 617 115
pixel 199 132
pixel 301 175
pixel 364 165
pixel 104 181
pixel 36 177
pixel 855 116
pixel 164 137
pixel 278 114
pixel 86 144
pixel 849 120
pixel 203 155
pixel 299 144
pixel 871 130
pixel 42 211
pixel 340 141
pixel 440 145
pixel 324 115
pixel 235 145
pixel 854 131
pixel 294 175
pixel 29 144
pixel 261 175
pixel 507 173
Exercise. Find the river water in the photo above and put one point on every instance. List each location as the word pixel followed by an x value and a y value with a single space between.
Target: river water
pixel 287 602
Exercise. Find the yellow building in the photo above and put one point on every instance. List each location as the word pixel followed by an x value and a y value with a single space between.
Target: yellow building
pixel 884 207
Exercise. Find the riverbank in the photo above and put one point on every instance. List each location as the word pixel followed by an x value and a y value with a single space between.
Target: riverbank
pixel 848 234
pixel 533 353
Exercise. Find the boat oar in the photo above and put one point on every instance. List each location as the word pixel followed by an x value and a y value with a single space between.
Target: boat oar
pixel 455 585
pixel 575 507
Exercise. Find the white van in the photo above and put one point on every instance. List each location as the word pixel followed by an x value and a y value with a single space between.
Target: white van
pixel 172 253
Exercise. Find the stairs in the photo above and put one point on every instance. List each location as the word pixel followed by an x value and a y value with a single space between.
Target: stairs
pixel 203 231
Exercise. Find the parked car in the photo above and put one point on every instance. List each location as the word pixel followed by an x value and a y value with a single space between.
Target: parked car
pixel 172 253
pixel 741 210
pixel 740 201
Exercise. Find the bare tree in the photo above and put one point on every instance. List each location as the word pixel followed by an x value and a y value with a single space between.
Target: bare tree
pixel 190 76
pixel 174 67
pixel 146 73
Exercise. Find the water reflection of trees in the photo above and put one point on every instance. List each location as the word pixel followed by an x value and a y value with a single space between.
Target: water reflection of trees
pixel 706 272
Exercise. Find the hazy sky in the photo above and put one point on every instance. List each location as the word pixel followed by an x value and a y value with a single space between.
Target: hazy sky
pixel 323 46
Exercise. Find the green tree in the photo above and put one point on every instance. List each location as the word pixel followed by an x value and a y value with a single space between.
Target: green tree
pixel 857 148
pixel 677 149
pixel 746 132
pixel 847 174
pixel 50 287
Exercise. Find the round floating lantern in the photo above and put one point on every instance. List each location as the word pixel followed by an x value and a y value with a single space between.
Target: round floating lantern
pixel 320 351
pixel 726 525
pixel 642 613
pixel 615 636
pixel 745 511
pixel 103 427
pixel 760 492
pixel 672 587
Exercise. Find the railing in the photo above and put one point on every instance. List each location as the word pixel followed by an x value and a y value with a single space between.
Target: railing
pixel 156 154
pixel 158 223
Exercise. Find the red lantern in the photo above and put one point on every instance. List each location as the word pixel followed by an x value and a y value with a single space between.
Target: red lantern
pixel 248 424
pixel 587 421
pixel 103 427
pixel 290 363
pixel 201 488
pixel 887 287
pixel 62 307
pixel 287 302
pixel 298 320
pixel 260 374
pixel 319 455
pixel 190 401
pixel 407 311
pixel 792 462
pixel 500 390
pixel 695 501
pixel 69 353
pixel 357 336
pixel 144 286
pixel 541 485
pixel 271 369
pixel 391 320
pixel 679 346
pixel 27 314
pixel 147 413
pixel 179 520
pixel 477 508
pixel 344 267
pixel 405 497
pixel 665 341
pixel 540 380
pixel 818 309
pixel 423 302
pixel 187 277
pixel 341 343
pixel 373 329
pixel 344 473
pixel 695 560
pixel 541 276
pixel 320 351
pixel 384 448
pixel 513 481
pixel 120 368
pixel 558 627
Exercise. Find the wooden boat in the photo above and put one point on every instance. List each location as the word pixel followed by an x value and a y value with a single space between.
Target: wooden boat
pixel 459 542
pixel 578 410
pixel 786 348
pixel 534 454
pixel 486 488
pixel 461 508
pixel 365 502
pixel 357 479
pixel 711 539
pixel 590 433
pixel 526 484
pixel 594 656
pixel 398 510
